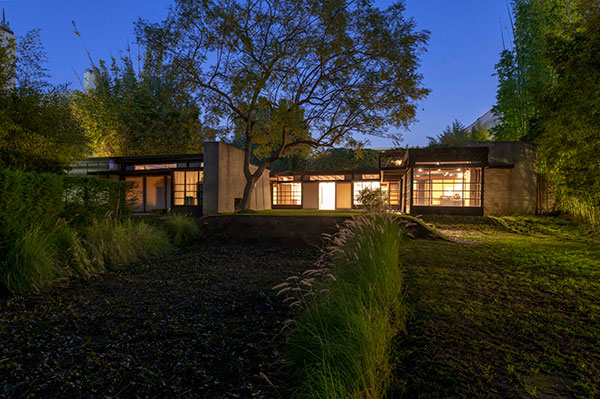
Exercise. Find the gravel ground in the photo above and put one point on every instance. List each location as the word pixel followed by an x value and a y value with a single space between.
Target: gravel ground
pixel 202 322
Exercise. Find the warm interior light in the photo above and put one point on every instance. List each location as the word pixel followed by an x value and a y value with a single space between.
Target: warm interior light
pixel 397 162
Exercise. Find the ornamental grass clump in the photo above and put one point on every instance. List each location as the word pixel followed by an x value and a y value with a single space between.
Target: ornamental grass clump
pixel 29 264
pixel 182 229
pixel 112 242
pixel 339 345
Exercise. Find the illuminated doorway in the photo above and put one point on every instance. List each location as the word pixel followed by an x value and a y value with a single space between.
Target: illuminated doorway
pixel 327 196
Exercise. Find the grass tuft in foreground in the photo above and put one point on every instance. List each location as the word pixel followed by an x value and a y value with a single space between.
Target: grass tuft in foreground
pixel 339 346
pixel 113 242
pixel 182 229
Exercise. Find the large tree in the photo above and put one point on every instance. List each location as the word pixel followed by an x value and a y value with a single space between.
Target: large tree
pixel 145 112
pixel 570 113
pixel 524 74
pixel 37 129
pixel 288 74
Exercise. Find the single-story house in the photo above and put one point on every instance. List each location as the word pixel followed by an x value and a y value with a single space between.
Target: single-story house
pixel 483 178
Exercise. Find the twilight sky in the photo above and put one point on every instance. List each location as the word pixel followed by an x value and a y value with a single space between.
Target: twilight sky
pixel 465 44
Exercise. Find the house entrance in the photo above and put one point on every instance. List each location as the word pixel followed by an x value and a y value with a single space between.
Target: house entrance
pixel 327 196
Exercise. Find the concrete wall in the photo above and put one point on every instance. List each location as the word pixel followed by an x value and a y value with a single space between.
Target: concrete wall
pixel 224 180
pixel 310 195
pixel 510 191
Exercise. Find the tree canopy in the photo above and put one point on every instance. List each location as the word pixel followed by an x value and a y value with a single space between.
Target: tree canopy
pixel 138 113
pixel 287 74
pixel 458 135
pixel 37 129
pixel 549 82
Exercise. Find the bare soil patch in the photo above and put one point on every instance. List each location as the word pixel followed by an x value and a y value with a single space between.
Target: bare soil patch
pixel 196 323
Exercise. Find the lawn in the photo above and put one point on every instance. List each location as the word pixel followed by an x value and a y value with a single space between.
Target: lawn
pixel 509 307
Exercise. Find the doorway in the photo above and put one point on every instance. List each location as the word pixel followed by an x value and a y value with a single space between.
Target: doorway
pixel 327 196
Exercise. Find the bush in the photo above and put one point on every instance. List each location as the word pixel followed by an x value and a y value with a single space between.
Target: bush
pixel 30 262
pixel 87 199
pixel 27 200
pixel 339 346
pixel 182 229
pixel 372 199
pixel 112 242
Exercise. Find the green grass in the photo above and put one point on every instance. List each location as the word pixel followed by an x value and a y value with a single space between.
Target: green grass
pixel 340 344
pixel 112 242
pixel 29 264
pixel 509 308
pixel 182 229
pixel 298 212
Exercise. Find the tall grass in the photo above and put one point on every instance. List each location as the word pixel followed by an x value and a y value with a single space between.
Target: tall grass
pixel 182 229
pixel 339 345
pixel 111 242
pixel 30 262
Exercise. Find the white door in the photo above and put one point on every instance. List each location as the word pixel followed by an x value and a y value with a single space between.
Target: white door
pixel 327 196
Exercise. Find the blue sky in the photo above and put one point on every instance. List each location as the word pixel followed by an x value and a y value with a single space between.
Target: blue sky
pixel 464 45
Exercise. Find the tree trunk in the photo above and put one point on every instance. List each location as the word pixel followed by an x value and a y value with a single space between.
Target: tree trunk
pixel 247 193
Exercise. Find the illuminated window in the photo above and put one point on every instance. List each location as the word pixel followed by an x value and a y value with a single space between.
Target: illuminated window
pixel 285 178
pixel 370 177
pixel 156 166
pixel 187 187
pixel 361 185
pixel 326 177
pixel 447 187
pixel 394 193
pixel 287 194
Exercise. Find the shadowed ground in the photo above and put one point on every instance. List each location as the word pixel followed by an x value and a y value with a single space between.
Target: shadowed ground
pixel 201 322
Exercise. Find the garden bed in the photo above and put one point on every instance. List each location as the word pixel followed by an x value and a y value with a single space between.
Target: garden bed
pixel 194 323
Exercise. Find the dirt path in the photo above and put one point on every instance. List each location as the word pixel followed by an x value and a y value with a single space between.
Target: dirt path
pixel 198 323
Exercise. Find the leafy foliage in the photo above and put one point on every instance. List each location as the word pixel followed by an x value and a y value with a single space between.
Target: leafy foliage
pixel 36 243
pixel 548 91
pixel 524 76
pixel 345 159
pixel 37 129
pixel 458 135
pixel 570 143
pixel 291 74
pixel 372 199
pixel 145 113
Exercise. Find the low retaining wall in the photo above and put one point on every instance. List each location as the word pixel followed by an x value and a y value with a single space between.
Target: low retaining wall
pixel 288 230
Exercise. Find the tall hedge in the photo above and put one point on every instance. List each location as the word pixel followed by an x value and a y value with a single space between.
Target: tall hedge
pixel 38 200
pixel 28 200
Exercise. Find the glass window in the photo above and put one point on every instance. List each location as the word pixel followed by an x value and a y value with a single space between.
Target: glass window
pixel 447 187
pixel 326 177
pixel 394 193
pixel 287 194
pixel 370 177
pixel 156 166
pixel 361 185
pixel 187 187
